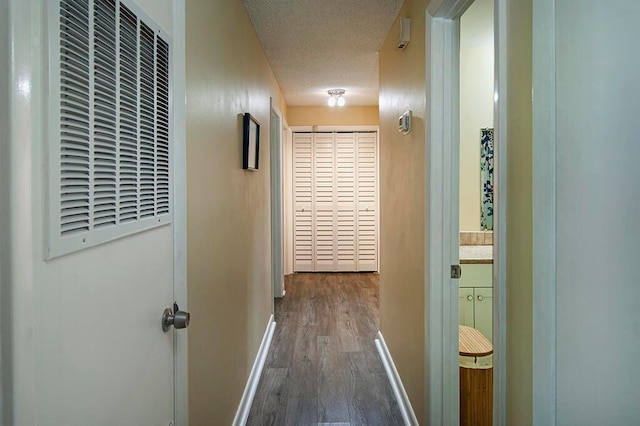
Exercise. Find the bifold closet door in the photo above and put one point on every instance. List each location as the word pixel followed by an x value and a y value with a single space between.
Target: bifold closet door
pixel 335 202
pixel 324 204
pixel 345 202
pixel 303 229
pixel 367 202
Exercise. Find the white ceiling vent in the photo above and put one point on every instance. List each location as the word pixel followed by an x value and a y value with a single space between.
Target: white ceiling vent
pixel 109 147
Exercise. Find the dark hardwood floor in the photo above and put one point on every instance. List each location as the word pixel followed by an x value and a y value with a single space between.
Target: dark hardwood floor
pixel 323 366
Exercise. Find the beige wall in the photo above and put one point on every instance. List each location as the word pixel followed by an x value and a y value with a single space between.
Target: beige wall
pixel 519 214
pixel 336 116
pixel 476 105
pixel 402 203
pixel 228 232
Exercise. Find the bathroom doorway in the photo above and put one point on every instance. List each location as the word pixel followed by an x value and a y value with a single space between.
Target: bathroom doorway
pixel 476 213
pixel 443 232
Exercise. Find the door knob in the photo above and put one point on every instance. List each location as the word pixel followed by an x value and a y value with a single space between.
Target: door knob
pixel 179 319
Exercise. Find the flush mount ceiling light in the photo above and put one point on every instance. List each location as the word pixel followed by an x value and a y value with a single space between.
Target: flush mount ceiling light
pixel 336 96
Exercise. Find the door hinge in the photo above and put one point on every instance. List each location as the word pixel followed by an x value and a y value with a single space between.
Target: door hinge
pixel 456 271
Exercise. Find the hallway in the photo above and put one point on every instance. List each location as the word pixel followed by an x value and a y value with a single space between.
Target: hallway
pixel 323 366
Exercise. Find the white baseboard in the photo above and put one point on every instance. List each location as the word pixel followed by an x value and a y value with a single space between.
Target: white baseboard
pixel 254 377
pixel 404 404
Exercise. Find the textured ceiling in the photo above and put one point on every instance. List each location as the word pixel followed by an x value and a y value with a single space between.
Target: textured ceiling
pixel 316 45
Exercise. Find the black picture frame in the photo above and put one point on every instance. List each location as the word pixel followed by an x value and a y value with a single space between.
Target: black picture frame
pixel 250 142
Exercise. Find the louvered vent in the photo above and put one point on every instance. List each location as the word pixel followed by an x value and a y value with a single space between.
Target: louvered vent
pixel 110 166
pixel 75 117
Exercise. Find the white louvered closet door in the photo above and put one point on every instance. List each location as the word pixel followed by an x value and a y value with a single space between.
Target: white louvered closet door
pixel 345 207
pixel 324 202
pixel 367 220
pixel 303 229
pixel 335 202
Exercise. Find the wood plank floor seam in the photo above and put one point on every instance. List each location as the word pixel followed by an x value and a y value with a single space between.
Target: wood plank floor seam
pixel 323 367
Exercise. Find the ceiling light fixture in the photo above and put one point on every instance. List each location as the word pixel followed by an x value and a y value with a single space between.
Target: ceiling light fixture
pixel 336 96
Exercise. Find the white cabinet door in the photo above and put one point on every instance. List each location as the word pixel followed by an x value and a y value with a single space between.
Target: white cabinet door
pixel 466 313
pixel 483 299
pixel 367 187
pixel 476 309
pixel 303 229
pixel 476 298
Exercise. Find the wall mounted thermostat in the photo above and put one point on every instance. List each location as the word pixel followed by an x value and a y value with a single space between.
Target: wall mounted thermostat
pixel 404 122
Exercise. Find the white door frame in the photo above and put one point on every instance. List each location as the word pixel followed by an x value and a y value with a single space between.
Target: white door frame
pixel 181 359
pixel 442 32
pixel 276 184
pixel 24 18
pixel 24 100
pixel 5 203
pixel 544 213
pixel 287 177
pixel 500 214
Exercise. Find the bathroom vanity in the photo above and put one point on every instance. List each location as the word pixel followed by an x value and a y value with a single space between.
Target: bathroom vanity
pixel 476 288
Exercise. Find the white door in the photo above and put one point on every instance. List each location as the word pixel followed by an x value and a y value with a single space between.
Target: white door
pixel 101 355
pixel 345 206
pixel 303 229
pixel 102 262
pixel 585 194
pixel 324 202
pixel 367 187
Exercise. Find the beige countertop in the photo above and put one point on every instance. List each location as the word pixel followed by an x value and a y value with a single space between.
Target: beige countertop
pixel 476 254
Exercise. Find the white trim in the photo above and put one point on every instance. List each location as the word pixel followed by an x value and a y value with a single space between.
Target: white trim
pixel 276 183
pixel 288 200
pixel 5 210
pixel 179 208
pixel 335 129
pixel 448 9
pixel 402 398
pixel 254 377
pixel 441 292
pixel 25 19
pixel 544 213
pixel 499 222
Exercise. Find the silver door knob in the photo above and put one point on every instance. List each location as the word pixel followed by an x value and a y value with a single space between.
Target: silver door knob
pixel 179 319
pixel 469 298
pixel 480 298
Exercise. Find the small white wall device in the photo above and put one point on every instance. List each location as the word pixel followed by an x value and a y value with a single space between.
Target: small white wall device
pixel 405 33
pixel 404 122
